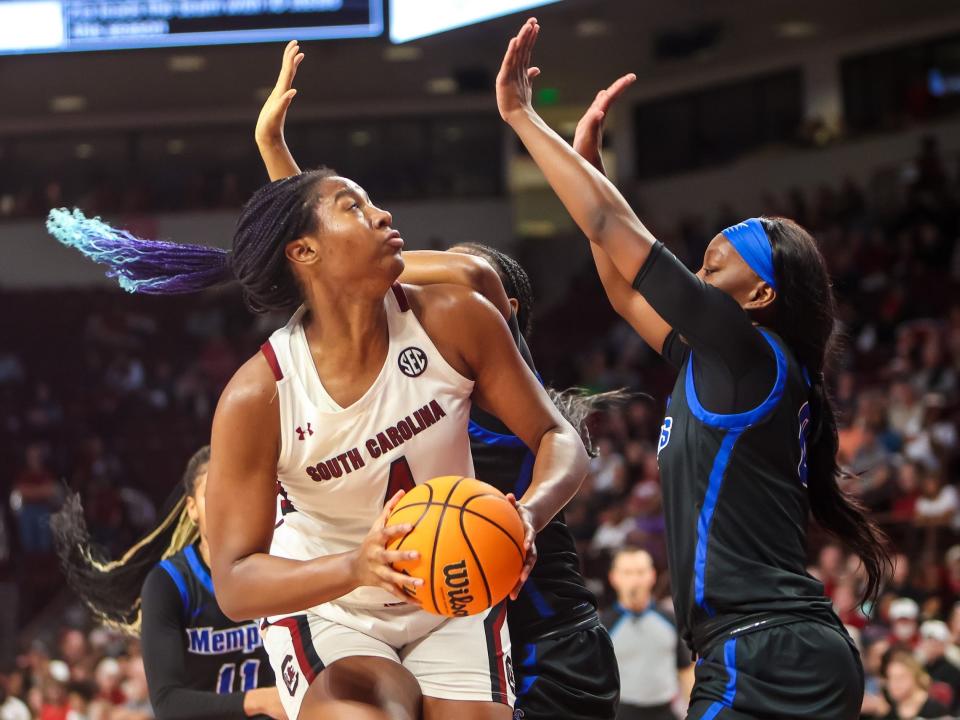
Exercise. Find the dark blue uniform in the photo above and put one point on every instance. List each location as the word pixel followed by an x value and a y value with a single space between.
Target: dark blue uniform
pixel 199 663
pixel 563 659
pixel 733 468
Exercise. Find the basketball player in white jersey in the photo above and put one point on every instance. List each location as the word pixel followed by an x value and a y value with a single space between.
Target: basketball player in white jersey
pixel 363 394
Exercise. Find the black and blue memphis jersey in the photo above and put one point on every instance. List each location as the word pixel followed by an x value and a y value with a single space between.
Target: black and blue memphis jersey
pixel 735 500
pixel 199 663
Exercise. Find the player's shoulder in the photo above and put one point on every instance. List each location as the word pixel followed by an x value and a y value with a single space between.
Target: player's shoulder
pixel 451 311
pixel 252 387
pixel 166 580
pixel 445 297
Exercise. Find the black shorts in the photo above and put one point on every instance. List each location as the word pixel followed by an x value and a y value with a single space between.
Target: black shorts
pixel 573 676
pixel 800 670
pixel 647 712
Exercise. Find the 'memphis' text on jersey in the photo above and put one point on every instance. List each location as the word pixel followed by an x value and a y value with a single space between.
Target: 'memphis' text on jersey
pixel 382 443
pixel 208 641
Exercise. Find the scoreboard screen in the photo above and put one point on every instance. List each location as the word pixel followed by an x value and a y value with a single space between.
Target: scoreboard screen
pixel 44 26
pixel 413 19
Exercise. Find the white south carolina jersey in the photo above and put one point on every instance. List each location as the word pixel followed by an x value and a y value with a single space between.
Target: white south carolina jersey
pixel 339 465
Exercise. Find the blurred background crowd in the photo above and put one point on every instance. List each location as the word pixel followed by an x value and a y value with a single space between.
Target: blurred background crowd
pixel 116 392
pixel 846 124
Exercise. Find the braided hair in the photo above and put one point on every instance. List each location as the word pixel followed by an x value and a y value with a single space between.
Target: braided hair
pixel 111 588
pixel 575 404
pixel 515 280
pixel 277 214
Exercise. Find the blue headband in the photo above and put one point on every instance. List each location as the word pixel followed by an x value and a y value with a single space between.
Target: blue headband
pixel 750 240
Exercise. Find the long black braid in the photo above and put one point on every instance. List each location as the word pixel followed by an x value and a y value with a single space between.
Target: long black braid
pixel 111 588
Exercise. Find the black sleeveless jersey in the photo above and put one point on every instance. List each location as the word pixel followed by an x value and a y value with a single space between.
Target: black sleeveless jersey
pixel 735 501
pixel 555 596
pixel 190 645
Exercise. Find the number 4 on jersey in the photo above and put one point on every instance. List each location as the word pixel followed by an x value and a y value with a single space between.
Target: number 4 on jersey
pixel 401 478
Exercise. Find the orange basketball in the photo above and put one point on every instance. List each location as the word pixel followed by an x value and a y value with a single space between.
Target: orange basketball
pixel 470 540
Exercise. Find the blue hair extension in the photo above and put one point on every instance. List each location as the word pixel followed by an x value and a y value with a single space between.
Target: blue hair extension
pixel 144 266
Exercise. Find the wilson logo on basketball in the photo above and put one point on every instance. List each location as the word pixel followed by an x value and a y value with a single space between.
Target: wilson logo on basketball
pixel 458 587
pixel 412 361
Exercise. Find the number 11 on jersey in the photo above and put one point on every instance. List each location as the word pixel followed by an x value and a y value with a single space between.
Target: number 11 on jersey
pixel 248 676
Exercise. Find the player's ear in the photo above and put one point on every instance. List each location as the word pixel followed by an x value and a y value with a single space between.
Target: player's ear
pixel 303 250
pixel 515 304
pixel 761 296
pixel 193 512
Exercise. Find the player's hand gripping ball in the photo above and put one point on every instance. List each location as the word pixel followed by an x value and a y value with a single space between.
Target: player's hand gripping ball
pixel 470 540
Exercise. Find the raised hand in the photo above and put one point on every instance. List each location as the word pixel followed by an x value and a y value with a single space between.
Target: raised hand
pixel 515 79
pixel 273 114
pixel 588 138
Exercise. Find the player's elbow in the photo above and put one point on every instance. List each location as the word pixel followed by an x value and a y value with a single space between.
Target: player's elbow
pixel 597 225
pixel 481 277
pixel 578 460
pixel 236 602
pixel 235 609
pixel 582 460
pixel 619 304
pixel 167 703
pixel 478 274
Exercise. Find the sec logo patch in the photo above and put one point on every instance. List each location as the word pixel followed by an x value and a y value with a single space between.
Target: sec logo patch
pixel 412 361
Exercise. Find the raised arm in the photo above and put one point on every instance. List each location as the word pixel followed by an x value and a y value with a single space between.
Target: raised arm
pixel 241 508
pixel 593 202
pixel 626 301
pixel 705 316
pixel 269 133
pixel 432 267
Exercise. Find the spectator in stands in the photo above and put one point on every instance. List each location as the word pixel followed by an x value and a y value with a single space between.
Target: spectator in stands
pixel 55 703
pixel 9 594
pixel 655 665
pixel 11 707
pixel 935 374
pixel 901 581
pixel 905 413
pixel 874 656
pixel 932 651
pixel 951 579
pixel 903 623
pixel 936 440
pixel 35 493
pixel 137 705
pixel 907 688
pixel 830 567
pixel 846 603
pixel 909 474
pixel 607 469
pixel 615 527
pixel 108 678
pixel 938 504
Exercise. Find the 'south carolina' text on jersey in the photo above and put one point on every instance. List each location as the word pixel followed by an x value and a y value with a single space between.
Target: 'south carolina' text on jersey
pixel 382 443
